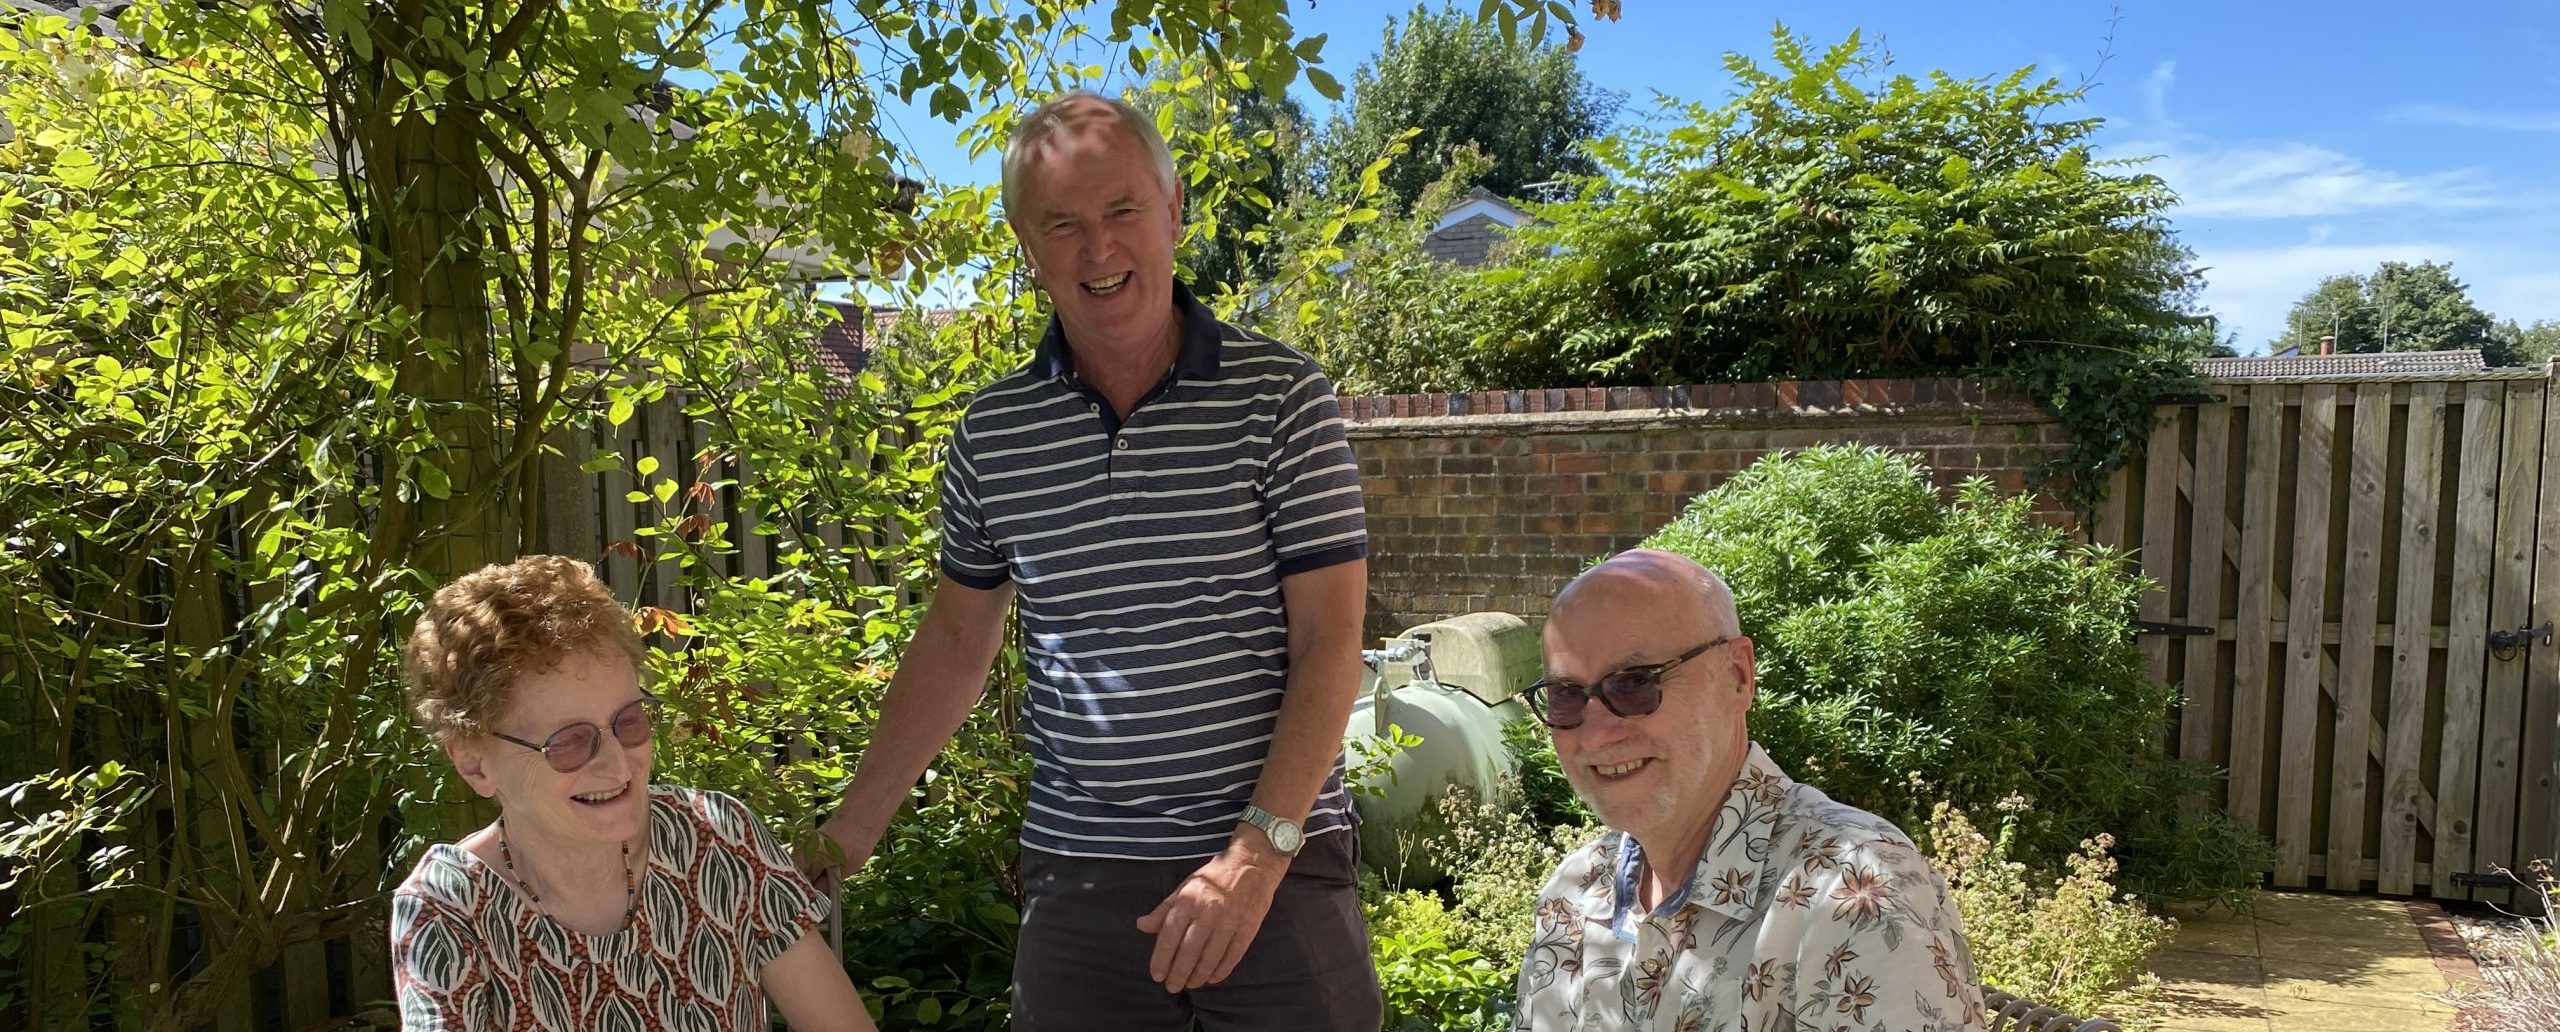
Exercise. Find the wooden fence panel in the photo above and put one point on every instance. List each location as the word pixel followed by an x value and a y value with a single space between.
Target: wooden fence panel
pixel 2475 513
pixel 2200 673
pixel 2502 770
pixel 2412 656
pixel 2536 820
pixel 2300 772
pixel 2359 602
pixel 614 512
pixel 2160 533
pixel 2252 667
pixel 663 426
pixel 2351 542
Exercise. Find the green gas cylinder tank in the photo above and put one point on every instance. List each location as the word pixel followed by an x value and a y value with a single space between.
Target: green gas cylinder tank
pixel 1453 683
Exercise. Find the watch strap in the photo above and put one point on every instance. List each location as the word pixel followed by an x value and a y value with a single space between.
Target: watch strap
pixel 1270 824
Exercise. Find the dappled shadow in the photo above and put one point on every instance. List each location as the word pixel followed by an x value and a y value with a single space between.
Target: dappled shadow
pixel 2297 957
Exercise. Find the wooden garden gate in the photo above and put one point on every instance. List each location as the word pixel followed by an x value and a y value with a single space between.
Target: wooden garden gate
pixel 2349 568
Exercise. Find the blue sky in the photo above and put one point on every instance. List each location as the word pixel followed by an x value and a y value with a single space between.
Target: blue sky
pixel 2304 139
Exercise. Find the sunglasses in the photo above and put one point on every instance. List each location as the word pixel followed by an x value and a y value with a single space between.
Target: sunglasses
pixel 1631 692
pixel 574 746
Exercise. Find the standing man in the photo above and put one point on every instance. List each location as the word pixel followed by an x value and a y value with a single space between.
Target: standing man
pixel 1725 894
pixel 1177 507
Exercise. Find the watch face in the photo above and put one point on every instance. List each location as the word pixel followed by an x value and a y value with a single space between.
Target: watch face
pixel 1285 836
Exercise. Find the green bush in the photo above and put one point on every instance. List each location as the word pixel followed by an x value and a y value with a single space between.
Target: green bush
pixel 1498 859
pixel 1913 651
pixel 2073 942
pixel 1430 985
pixel 1452 965
pixel 1543 789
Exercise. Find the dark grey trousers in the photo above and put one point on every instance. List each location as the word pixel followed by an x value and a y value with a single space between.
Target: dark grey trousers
pixel 1081 963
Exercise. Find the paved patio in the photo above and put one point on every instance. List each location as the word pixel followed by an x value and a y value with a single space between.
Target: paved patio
pixel 2306 961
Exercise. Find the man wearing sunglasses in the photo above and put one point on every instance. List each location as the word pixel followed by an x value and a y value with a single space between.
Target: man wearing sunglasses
pixel 1726 894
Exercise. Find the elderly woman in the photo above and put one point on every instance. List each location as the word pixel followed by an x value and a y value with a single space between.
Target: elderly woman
pixel 596 900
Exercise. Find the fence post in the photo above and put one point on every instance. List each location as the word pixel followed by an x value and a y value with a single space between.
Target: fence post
pixel 2542 670
pixel 568 505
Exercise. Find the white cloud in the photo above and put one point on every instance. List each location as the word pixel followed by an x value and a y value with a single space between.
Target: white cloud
pixel 2473 118
pixel 2155 94
pixel 2281 179
pixel 2269 218
pixel 2301 180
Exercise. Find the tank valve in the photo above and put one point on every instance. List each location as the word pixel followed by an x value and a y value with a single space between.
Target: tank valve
pixel 1405 651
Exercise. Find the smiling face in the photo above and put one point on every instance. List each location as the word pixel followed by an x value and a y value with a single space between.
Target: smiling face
pixel 1660 777
pixel 607 800
pixel 1100 230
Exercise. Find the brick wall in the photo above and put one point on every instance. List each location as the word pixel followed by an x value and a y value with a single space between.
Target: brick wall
pixel 1492 500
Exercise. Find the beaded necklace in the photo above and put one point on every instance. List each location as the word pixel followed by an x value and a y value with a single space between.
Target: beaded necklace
pixel 630 883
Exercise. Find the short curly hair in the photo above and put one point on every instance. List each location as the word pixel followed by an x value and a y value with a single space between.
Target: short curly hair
pixel 491 626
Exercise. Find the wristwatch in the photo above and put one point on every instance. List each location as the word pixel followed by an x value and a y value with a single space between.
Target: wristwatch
pixel 1285 834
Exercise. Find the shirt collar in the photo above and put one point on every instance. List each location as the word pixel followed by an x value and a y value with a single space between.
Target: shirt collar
pixel 1203 336
pixel 1729 874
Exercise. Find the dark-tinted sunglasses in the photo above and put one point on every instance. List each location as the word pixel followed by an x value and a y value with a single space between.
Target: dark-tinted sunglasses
pixel 1631 692
pixel 575 745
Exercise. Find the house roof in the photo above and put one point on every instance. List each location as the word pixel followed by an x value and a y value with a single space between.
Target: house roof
pixel 1482 202
pixel 1466 243
pixel 2264 366
pixel 1467 232
pixel 843 347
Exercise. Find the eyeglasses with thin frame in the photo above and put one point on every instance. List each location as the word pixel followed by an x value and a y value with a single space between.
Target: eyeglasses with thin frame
pixel 1629 692
pixel 574 746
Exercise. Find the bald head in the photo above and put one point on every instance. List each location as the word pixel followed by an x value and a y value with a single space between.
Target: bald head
pixel 1666 586
pixel 1657 761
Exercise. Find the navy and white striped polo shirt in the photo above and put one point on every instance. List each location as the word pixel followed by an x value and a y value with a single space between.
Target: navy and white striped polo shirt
pixel 1148 554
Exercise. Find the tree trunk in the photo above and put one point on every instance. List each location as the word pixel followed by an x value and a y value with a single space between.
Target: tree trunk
pixel 421 187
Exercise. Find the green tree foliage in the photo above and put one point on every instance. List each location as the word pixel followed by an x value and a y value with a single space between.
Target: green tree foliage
pixel 2531 345
pixel 1231 246
pixel 2399 307
pixel 1464 83
pixel 2335 307
pixel 1823 224
pixel 304 308
pixel 1913 651
pixel 1395 320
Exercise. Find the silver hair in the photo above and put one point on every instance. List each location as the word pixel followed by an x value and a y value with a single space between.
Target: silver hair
pixel 1050 119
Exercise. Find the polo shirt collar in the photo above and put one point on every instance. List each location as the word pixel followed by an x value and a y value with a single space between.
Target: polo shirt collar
pixel 1203 337
pixel 1728 874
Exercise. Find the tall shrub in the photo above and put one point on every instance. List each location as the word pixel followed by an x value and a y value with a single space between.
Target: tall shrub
pixel 1913 651
pixel 1829 220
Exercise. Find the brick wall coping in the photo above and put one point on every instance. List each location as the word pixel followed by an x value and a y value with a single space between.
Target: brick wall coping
pixel 1739 405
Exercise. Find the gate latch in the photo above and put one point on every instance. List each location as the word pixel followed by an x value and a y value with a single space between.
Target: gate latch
pixel 2506 644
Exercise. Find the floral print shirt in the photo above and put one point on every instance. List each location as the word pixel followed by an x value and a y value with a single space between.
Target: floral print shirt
pixel 1802 914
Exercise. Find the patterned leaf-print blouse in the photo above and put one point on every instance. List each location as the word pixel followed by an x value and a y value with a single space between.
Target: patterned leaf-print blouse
pixel 719 901
pixel 1803 913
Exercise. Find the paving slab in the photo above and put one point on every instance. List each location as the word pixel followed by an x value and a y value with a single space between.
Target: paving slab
pixel 2301 962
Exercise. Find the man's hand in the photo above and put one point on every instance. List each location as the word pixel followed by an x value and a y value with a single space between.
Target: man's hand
pixel 838 850
pixel 1204 928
